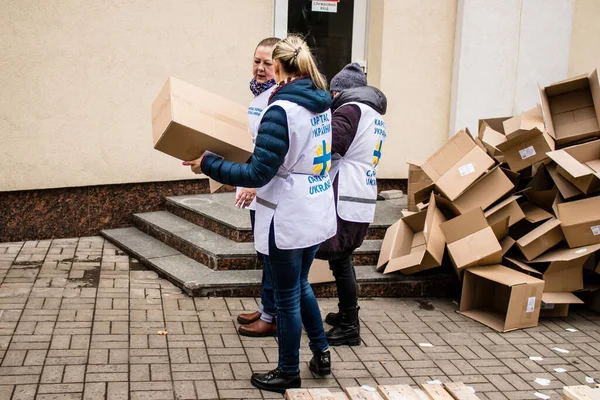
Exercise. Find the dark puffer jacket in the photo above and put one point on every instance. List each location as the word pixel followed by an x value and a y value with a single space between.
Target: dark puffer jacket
pixel 272 142
pixel 344 125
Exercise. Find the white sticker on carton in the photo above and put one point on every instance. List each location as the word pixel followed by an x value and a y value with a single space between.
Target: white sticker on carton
pixel 466 169
pixel 560 370
pixel 535 358
pixel 541 396
pixel 527 152
pixel 542 381
pixel 560 350
pixel 530 304
pixel 596 230
pixel 547 306
pixel 581 251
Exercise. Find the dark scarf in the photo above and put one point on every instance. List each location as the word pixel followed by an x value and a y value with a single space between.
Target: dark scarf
pixel 259 88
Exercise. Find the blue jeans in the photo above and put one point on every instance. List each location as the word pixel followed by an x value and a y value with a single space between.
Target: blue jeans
pixel 267 297
pixel 296 303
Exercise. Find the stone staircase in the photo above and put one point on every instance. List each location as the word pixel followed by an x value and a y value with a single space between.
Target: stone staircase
pixel 203 244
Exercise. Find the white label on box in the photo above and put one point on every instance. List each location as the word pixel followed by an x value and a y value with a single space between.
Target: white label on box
pixel 596 230
pixel 546 306
pixel 466 169
pixel 324 6
pixel 530 304
pixel 580 251
pixel 527 152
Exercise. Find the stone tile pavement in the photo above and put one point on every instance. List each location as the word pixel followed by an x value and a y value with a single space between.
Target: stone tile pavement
pixel 80 319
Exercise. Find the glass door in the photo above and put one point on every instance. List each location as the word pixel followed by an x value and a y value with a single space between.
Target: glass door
pixel 335 30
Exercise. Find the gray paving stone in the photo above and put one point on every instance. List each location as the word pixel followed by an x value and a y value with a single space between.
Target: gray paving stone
pixel 139 244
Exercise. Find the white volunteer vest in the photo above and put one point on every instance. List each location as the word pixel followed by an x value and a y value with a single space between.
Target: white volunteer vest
pixel 299 199
pixel 357 170
pixel 259 103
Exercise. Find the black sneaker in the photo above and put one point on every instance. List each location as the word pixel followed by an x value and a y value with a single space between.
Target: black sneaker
pixel 276 381
pixel 320 364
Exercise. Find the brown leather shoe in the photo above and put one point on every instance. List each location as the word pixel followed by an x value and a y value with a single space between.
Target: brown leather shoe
pixel 246 319
pixel 258 328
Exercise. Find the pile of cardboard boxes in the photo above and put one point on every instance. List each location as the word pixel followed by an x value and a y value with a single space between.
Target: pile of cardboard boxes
pixel 515 210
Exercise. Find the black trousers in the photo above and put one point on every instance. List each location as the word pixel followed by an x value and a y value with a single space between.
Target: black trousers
pixel 345 280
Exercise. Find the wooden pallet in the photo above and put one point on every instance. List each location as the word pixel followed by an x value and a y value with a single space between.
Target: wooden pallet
pixel 446 391
pixel 581 393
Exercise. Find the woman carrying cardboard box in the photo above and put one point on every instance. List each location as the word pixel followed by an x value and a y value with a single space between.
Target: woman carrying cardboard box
pixel 262 322
pixel 295 209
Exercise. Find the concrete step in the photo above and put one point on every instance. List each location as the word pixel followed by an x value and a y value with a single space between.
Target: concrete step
pixel 217 213
pixel 196 279
pixel 216 251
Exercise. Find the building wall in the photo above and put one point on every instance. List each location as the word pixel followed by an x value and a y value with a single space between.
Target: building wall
pixel 585 49
pixel 413 67
pixel 78 79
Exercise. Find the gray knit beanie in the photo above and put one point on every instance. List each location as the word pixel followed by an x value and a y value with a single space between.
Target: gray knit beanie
pixel 350 76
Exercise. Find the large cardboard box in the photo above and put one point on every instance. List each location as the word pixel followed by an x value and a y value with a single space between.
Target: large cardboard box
pixel 414 243
pixel 580 221
pixel 567 189
pixel 417 180
pixel 541 239
pixel 504 215
pixel 471 241
pixel 580 165
pixel 187 121
pixel 487 190
pixel 526 148
pixel 571 108
pixel 541 191
pixel 457 165
pixel 319 272
pixel 501 298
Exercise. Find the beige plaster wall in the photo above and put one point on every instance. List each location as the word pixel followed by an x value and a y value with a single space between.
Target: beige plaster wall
pixel 78 79
pixel 585 48
pixel 414 69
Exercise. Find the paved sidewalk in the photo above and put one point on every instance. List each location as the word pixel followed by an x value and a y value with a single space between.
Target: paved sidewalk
pixel 79 319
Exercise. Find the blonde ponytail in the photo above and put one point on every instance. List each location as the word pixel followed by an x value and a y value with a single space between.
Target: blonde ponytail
pixel 296 58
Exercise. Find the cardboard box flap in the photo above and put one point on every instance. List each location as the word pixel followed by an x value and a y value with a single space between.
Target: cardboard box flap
pixel 534 214
pixel 446 157
pixel 595 89
pixel 492 137
pixel 518 138
pixel 492 210
pixel 525 121
pixel 495 124
pixel 568 85
pixel 566 188
pixel 547 115
pixel 501 274
pixel 433 235
pixel 578 212
pixel 410 260
pixel 538 232
pixel 560 298
pixel 489 317
pixel 485 191
pixel 507 243
pixel 464 225
pixel 563 253
pixel 569 163
pixel 513 262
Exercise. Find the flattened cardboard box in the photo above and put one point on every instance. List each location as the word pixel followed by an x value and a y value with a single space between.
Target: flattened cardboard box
pixel 557 304
pixel 580 165
pixel 415 243
pixel 526 148
pixel 571 108
pixel 187 121
pixel 501 298
pixel 580 221
pixel 457 165
pixel 471 241
pixel 541 239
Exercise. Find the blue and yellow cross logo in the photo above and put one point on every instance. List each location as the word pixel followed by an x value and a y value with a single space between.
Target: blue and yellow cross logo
pixel 377 153
pixel 322 162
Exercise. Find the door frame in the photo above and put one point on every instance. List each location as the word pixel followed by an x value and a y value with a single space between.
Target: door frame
pixel 360 27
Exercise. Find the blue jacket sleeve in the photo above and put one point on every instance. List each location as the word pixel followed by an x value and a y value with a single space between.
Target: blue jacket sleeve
pixel 272 144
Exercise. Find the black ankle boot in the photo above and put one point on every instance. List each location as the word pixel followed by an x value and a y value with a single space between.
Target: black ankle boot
pixel 333 319
pixel 276 381
pixel 348 330
pixel 320 364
